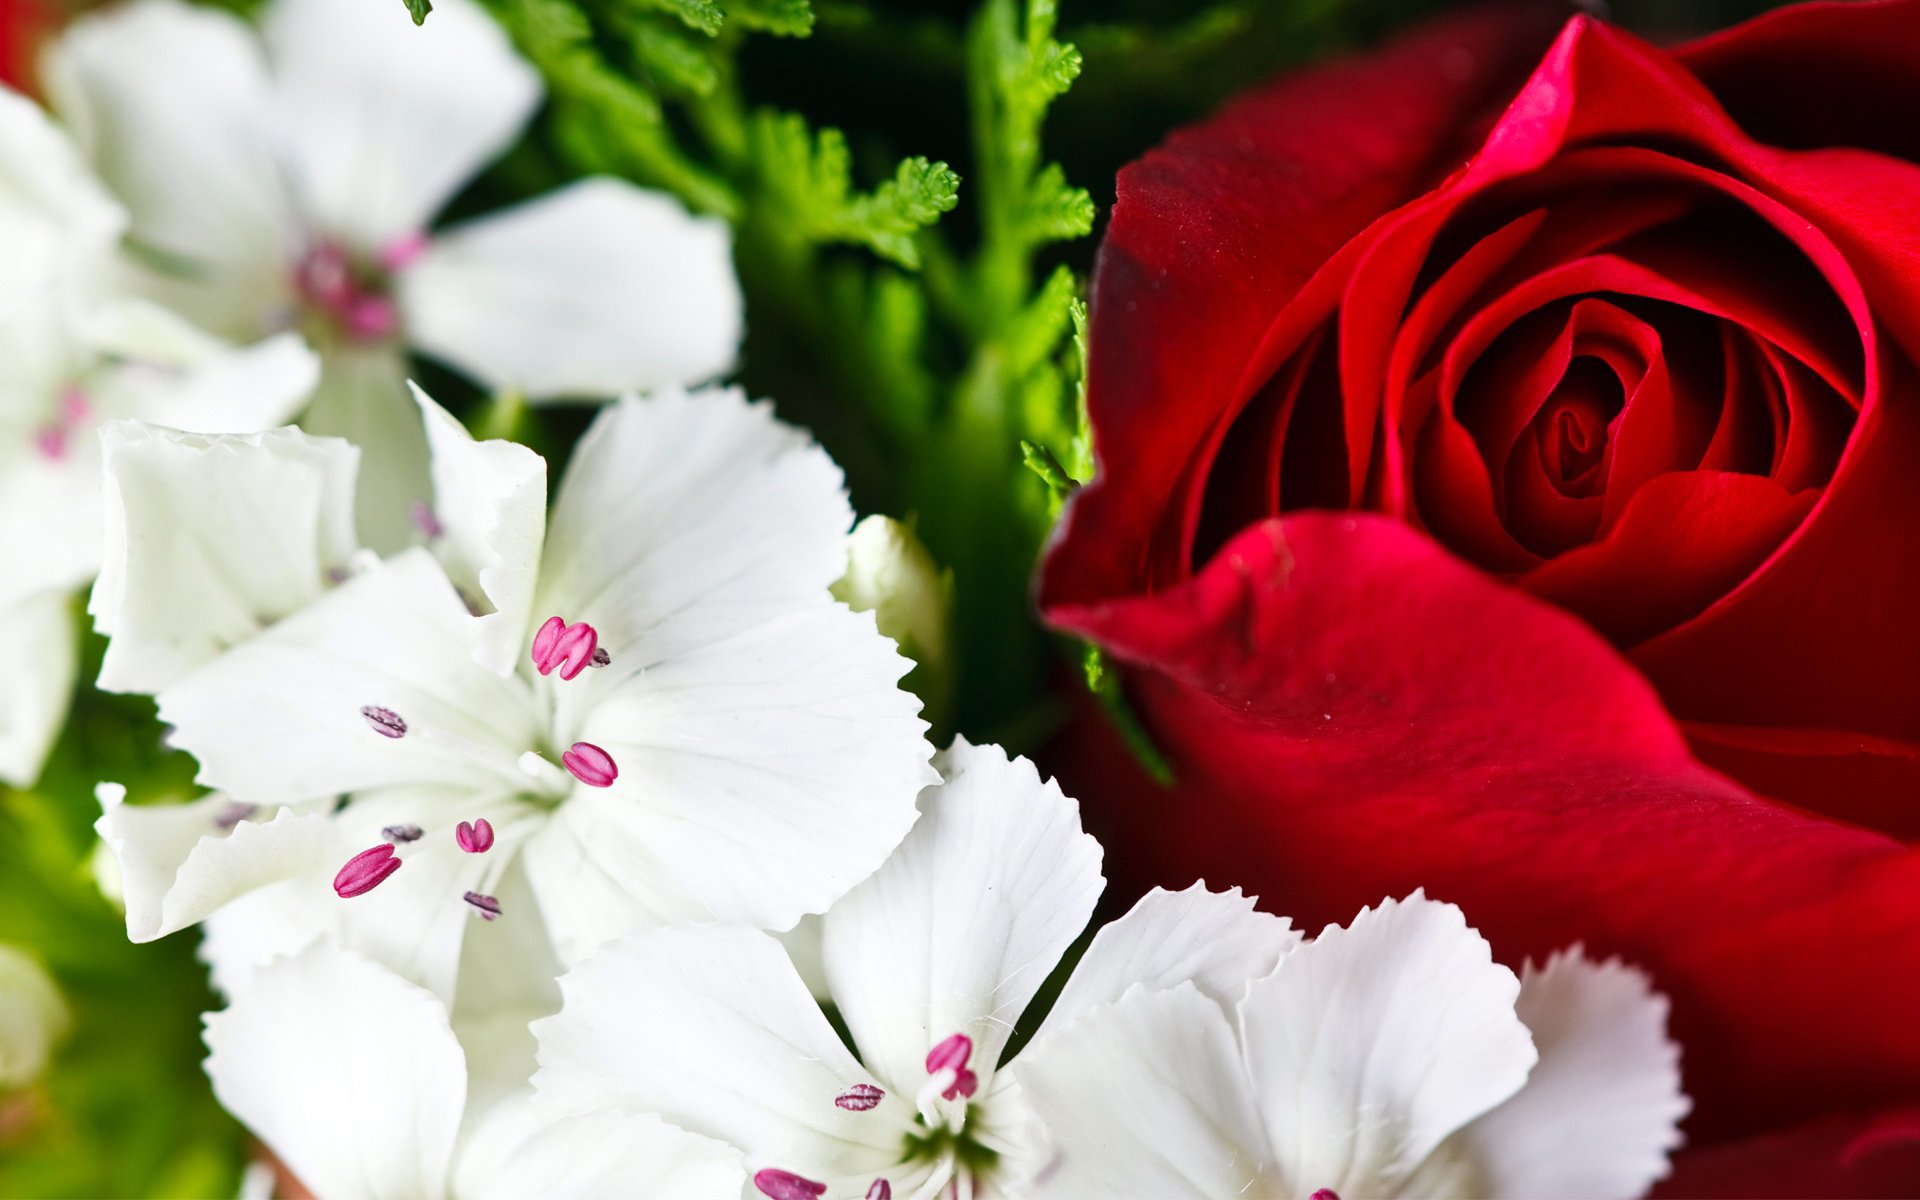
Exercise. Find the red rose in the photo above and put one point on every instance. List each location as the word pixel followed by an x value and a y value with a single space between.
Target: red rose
pixel 1611 367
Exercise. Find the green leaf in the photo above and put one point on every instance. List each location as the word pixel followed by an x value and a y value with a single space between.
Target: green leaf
pixel 919 192
pixel 1041 462
pixel 703 15
pixel 810 175
pixel 671 58
pixel 783 18
pixel 1106 688
pixel 419 9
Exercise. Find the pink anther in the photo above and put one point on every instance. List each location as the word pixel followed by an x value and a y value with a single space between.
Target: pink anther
pixel 861 1097
pixel 881 1190
pixel 486 906
pixel 365 871
pixel 475 838
pixel 368 317
pixel 403 251
pixel 384 721
pixel 590 765
pixel 785 1185
pixel 950 1058
pixel 568 647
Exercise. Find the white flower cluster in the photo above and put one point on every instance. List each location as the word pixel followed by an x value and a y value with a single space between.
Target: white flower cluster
pixel 509 798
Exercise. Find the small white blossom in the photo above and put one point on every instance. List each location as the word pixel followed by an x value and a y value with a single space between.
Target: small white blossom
pixel 76 350
pixel 930 963
pixel 1392 1058
pixel 529 737
pixel 289 178
pixel 33 1018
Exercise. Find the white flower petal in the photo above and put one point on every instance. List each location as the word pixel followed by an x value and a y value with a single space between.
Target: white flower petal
pixel 211 539
pixel 1214 939
pixel 49 501
pixel 490 506
pixel 171 101
pixel 177 376
pixel 362 397
pixel 349 1073
pixel 414 923
pixel 58 226
pixel 180 862
pixel 1146 1097
pixel 684 519
pixel 279 718
pixel 593 1155
pixel 596 876
pixel 592 290
pixel 508 968
pixel 1600 1114
pixel 769 773
pixel 39 652
pixel 1369 1045
pixel 958 929
pixel 710 1027
pixel 385 120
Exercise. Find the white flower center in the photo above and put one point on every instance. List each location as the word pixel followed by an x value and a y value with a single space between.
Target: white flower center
pixel 558 647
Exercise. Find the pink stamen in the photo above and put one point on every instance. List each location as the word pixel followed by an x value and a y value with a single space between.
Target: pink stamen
pixel 785 1185
pixel 1325 1194
pixel 476 838
pixel 568 647
pixel 861 1097
pixel 402 833
pixel 384 721
pixel 74 406
pixel 590 765
pixel 403 251
pixel 365 871
pixel 51 441
pixel 951 1057
pixel 486 906
pixel 324 277
pixel 881 1190
pixel 369 318
pixel 600 656
pixel 424 520
pixel 231 816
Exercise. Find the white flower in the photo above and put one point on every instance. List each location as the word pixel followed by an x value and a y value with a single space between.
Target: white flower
pixel 1389 1058
pixel 931 962
pixel 33 1017
pixel 74 351
pixel 357 1081
pixel 658 715
pixel 290 177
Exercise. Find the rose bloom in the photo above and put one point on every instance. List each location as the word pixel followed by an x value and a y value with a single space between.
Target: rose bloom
pixel 1510 484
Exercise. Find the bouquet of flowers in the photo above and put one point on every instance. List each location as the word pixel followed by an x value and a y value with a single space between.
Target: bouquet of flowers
pixel 823 600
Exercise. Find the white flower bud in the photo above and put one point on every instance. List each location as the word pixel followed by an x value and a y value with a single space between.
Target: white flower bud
pixel 32 1018
pixel 890 574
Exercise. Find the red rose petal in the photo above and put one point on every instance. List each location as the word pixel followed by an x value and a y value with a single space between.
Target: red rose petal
pixel 1216 232
pixel 1876 1154
pixel 1685 540
pixel 1821 74
pixel 1361 714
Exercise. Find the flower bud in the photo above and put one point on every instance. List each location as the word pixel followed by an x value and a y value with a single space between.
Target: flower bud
pixel 32 1017
pixel 891 575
